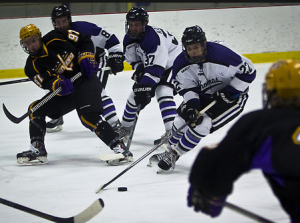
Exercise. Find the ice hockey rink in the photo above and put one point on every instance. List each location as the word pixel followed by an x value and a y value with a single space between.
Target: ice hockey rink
pixel 67 185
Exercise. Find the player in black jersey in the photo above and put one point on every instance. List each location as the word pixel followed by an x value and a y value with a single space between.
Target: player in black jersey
pixel 267 139
pixel 54 59
pixel 103 41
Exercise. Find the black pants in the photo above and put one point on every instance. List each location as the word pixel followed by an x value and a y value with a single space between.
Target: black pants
pixel 86 99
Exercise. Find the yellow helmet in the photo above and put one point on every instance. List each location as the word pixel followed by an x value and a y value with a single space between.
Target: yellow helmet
pixel 29 30
pixel 284 78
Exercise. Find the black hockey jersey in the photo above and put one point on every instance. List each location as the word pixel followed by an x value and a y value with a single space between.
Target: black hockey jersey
pixel 58 57
pixel 265 139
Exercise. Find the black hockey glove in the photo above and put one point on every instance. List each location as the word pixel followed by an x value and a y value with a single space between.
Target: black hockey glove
pixel 142 94
pixel 138 74
pixel 211 206
pixel 115 62
pixel 190 114
pixel 222 96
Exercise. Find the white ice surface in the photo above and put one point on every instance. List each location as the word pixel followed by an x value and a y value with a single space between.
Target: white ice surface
pixel 67 184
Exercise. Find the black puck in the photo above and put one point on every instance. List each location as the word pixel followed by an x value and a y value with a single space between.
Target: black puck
pixel 122 188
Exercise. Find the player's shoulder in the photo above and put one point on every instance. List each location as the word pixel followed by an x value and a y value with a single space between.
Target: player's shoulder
pixel 54 34
pixel 221 53
pixel 151 40
pixel 180 62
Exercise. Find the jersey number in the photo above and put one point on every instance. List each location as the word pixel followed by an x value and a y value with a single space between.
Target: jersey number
pixel 105 34
pixel 149 60
pixel 73 35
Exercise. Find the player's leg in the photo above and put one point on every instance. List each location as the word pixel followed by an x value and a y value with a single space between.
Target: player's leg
pixel 91 116
pixel 167 106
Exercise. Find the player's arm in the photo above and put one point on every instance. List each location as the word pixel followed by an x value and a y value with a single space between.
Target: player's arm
pixel 49 81
pixel 86 58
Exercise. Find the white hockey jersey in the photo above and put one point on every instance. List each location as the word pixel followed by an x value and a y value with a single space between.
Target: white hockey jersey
pixel 155 51
pixel 222 67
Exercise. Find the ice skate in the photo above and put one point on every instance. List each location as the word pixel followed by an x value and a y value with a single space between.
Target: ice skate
pixel 163 137
pixel 55 125
pixel 154 159
pixel 168 159
pixel 36 155
pixel 121 149
pixel 124 132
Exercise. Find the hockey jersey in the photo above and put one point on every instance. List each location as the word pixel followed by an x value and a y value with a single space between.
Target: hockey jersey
pixel 155 51
pixel 222 67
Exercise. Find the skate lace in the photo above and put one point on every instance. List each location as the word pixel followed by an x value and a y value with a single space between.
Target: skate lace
pixel 166 135
pixel 118 149
pixel 170 158
pixel 123 131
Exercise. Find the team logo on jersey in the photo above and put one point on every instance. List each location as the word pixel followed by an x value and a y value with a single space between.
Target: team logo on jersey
pixel 209 83
pixel 65 64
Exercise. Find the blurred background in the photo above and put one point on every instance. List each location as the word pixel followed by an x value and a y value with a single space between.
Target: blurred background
pixel 15 10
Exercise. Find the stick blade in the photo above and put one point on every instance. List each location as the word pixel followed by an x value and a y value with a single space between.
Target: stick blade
pixel 99 189
pixel 13 118
pixel 89 212
pixel 111 156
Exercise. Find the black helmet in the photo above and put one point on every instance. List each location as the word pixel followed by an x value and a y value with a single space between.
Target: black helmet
pixel 60 11
pixel 136 14
pixel 192 35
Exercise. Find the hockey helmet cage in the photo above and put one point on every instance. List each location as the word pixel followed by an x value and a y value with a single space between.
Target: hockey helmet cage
pixel 136 14
pixel 60 11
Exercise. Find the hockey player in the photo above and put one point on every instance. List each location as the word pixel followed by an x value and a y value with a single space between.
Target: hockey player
pixel 266 139
pixel 151 52
pixel 204 72
pixel 103 41
pixel 54 59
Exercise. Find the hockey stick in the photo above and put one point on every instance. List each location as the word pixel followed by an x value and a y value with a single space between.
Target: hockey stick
pixel 36 107
pixel 114 156
pixel 133 128
pixel 15 81
pixel 247 213
pixel 82 217
pixel 153 149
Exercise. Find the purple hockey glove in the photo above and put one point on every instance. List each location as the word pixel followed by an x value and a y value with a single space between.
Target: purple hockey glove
pixel 64 83
pixel 211 206
pixel 88 64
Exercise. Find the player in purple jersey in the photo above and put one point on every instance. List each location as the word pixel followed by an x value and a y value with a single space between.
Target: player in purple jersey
pixel 205 72
pixel 103 41
pixel 266 139
pixel 52 61
pixel 151 52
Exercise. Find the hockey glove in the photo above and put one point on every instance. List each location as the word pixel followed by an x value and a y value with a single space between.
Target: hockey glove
pixel 88 64
pixel 64 83
pixel 190 113
pixel 142 94
pixel 138 74
pixel 115 62
pixel 223 95
pixel 211 206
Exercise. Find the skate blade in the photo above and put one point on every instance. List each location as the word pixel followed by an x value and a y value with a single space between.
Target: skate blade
pixel 24 161
pixel 56 129
pixel 162 171
pixel 118 162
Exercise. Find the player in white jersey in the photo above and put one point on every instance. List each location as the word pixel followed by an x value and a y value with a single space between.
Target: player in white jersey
pixel 205 71
pixel 103 41
pixel 151 52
